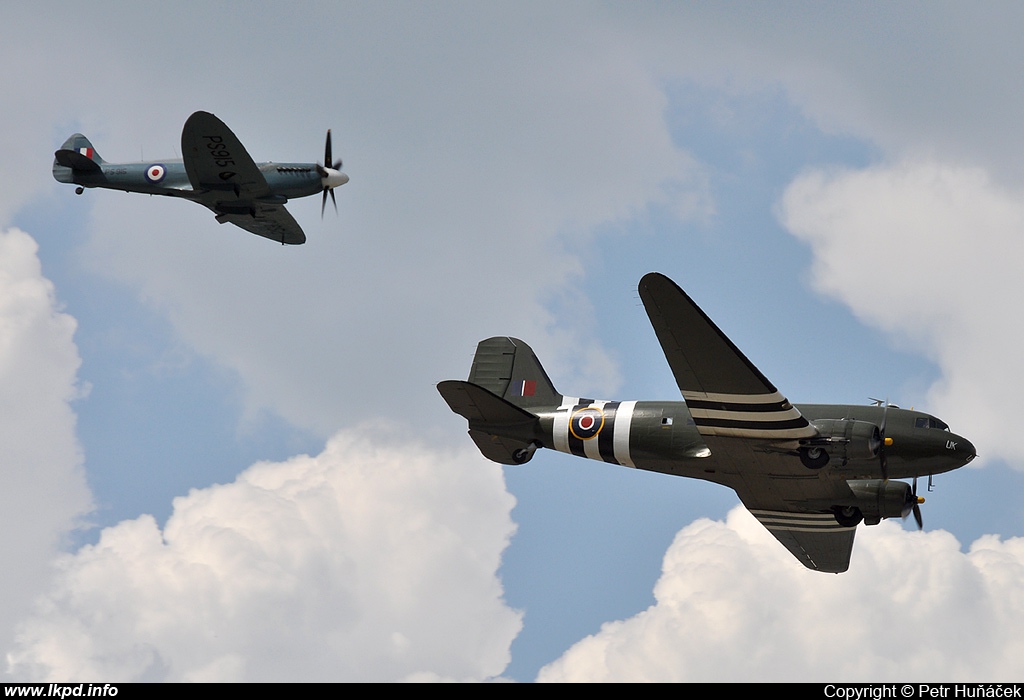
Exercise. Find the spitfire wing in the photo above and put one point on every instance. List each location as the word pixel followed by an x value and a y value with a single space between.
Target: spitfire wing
pixel 726 394
pixel 217 162
pixel 228 181
pixel 270 222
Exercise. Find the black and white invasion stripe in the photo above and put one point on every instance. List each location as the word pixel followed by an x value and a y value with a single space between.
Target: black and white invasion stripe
pixel 768 416
pixel 788 521
pixel 611 441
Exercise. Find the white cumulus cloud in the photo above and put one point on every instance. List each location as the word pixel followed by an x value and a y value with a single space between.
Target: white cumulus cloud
pixel 930 253
pixel 733 605
pixel 365 562
pixel 43 492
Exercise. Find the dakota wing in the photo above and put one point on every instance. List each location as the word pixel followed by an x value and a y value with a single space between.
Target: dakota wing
pixel 726 394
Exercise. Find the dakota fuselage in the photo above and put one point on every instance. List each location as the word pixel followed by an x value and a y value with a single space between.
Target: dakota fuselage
pixel 663 436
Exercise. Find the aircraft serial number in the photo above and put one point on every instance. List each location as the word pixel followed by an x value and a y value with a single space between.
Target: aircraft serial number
pixel 221 155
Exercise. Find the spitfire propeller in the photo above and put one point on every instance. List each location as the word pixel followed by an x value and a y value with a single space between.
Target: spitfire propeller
pixel 330 176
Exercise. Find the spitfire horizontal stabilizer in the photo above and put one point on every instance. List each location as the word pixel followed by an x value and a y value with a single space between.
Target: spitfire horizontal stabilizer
pixel 76 161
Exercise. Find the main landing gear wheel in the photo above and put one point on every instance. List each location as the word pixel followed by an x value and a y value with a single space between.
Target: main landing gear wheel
pixel 848 516
pixel 813 457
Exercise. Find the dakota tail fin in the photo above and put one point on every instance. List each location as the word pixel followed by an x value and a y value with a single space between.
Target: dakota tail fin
pixel 505 383
pixel 507 367
pixel 76 155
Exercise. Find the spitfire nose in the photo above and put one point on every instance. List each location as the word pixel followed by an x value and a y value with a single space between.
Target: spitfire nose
pixel 333 178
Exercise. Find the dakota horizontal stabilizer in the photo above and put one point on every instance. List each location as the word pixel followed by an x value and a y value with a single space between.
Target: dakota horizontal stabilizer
pixel 501 430
pixel 501 449
pixel 479 406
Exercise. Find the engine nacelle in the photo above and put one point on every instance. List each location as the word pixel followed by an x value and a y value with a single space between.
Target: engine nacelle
pixel 880 498
pixel 850 439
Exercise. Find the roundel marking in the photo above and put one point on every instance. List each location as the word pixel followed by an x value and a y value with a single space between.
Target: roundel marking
pixel 155 173
pixel 586 423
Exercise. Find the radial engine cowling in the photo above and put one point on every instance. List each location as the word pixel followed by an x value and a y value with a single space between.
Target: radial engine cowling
pixel 880 498
pixel 850 439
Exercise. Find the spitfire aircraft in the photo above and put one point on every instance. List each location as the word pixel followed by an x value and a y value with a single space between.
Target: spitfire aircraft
pixel 214 170
pixel 809 473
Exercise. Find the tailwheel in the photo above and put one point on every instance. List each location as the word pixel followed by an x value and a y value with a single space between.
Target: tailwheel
pixel 524 455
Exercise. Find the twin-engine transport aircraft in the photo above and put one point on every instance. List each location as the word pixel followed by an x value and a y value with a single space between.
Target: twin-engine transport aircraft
pixel 216 171
pixel 808 473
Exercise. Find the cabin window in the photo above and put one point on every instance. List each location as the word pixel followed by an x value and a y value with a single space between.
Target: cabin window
pixel 666 421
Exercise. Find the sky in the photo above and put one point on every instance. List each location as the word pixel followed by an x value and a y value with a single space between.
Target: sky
pixel 224 459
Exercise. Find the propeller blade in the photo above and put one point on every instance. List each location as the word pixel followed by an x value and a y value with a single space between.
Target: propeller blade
pixel 917 506
pixel 883 461
pixel 329 184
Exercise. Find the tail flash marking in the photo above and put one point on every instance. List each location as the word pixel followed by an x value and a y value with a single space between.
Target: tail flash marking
pixel 525 387
pixel 87 151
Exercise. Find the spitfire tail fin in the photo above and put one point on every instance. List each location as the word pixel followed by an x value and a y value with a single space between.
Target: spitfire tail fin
pixel 76 155
pixel 508 368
